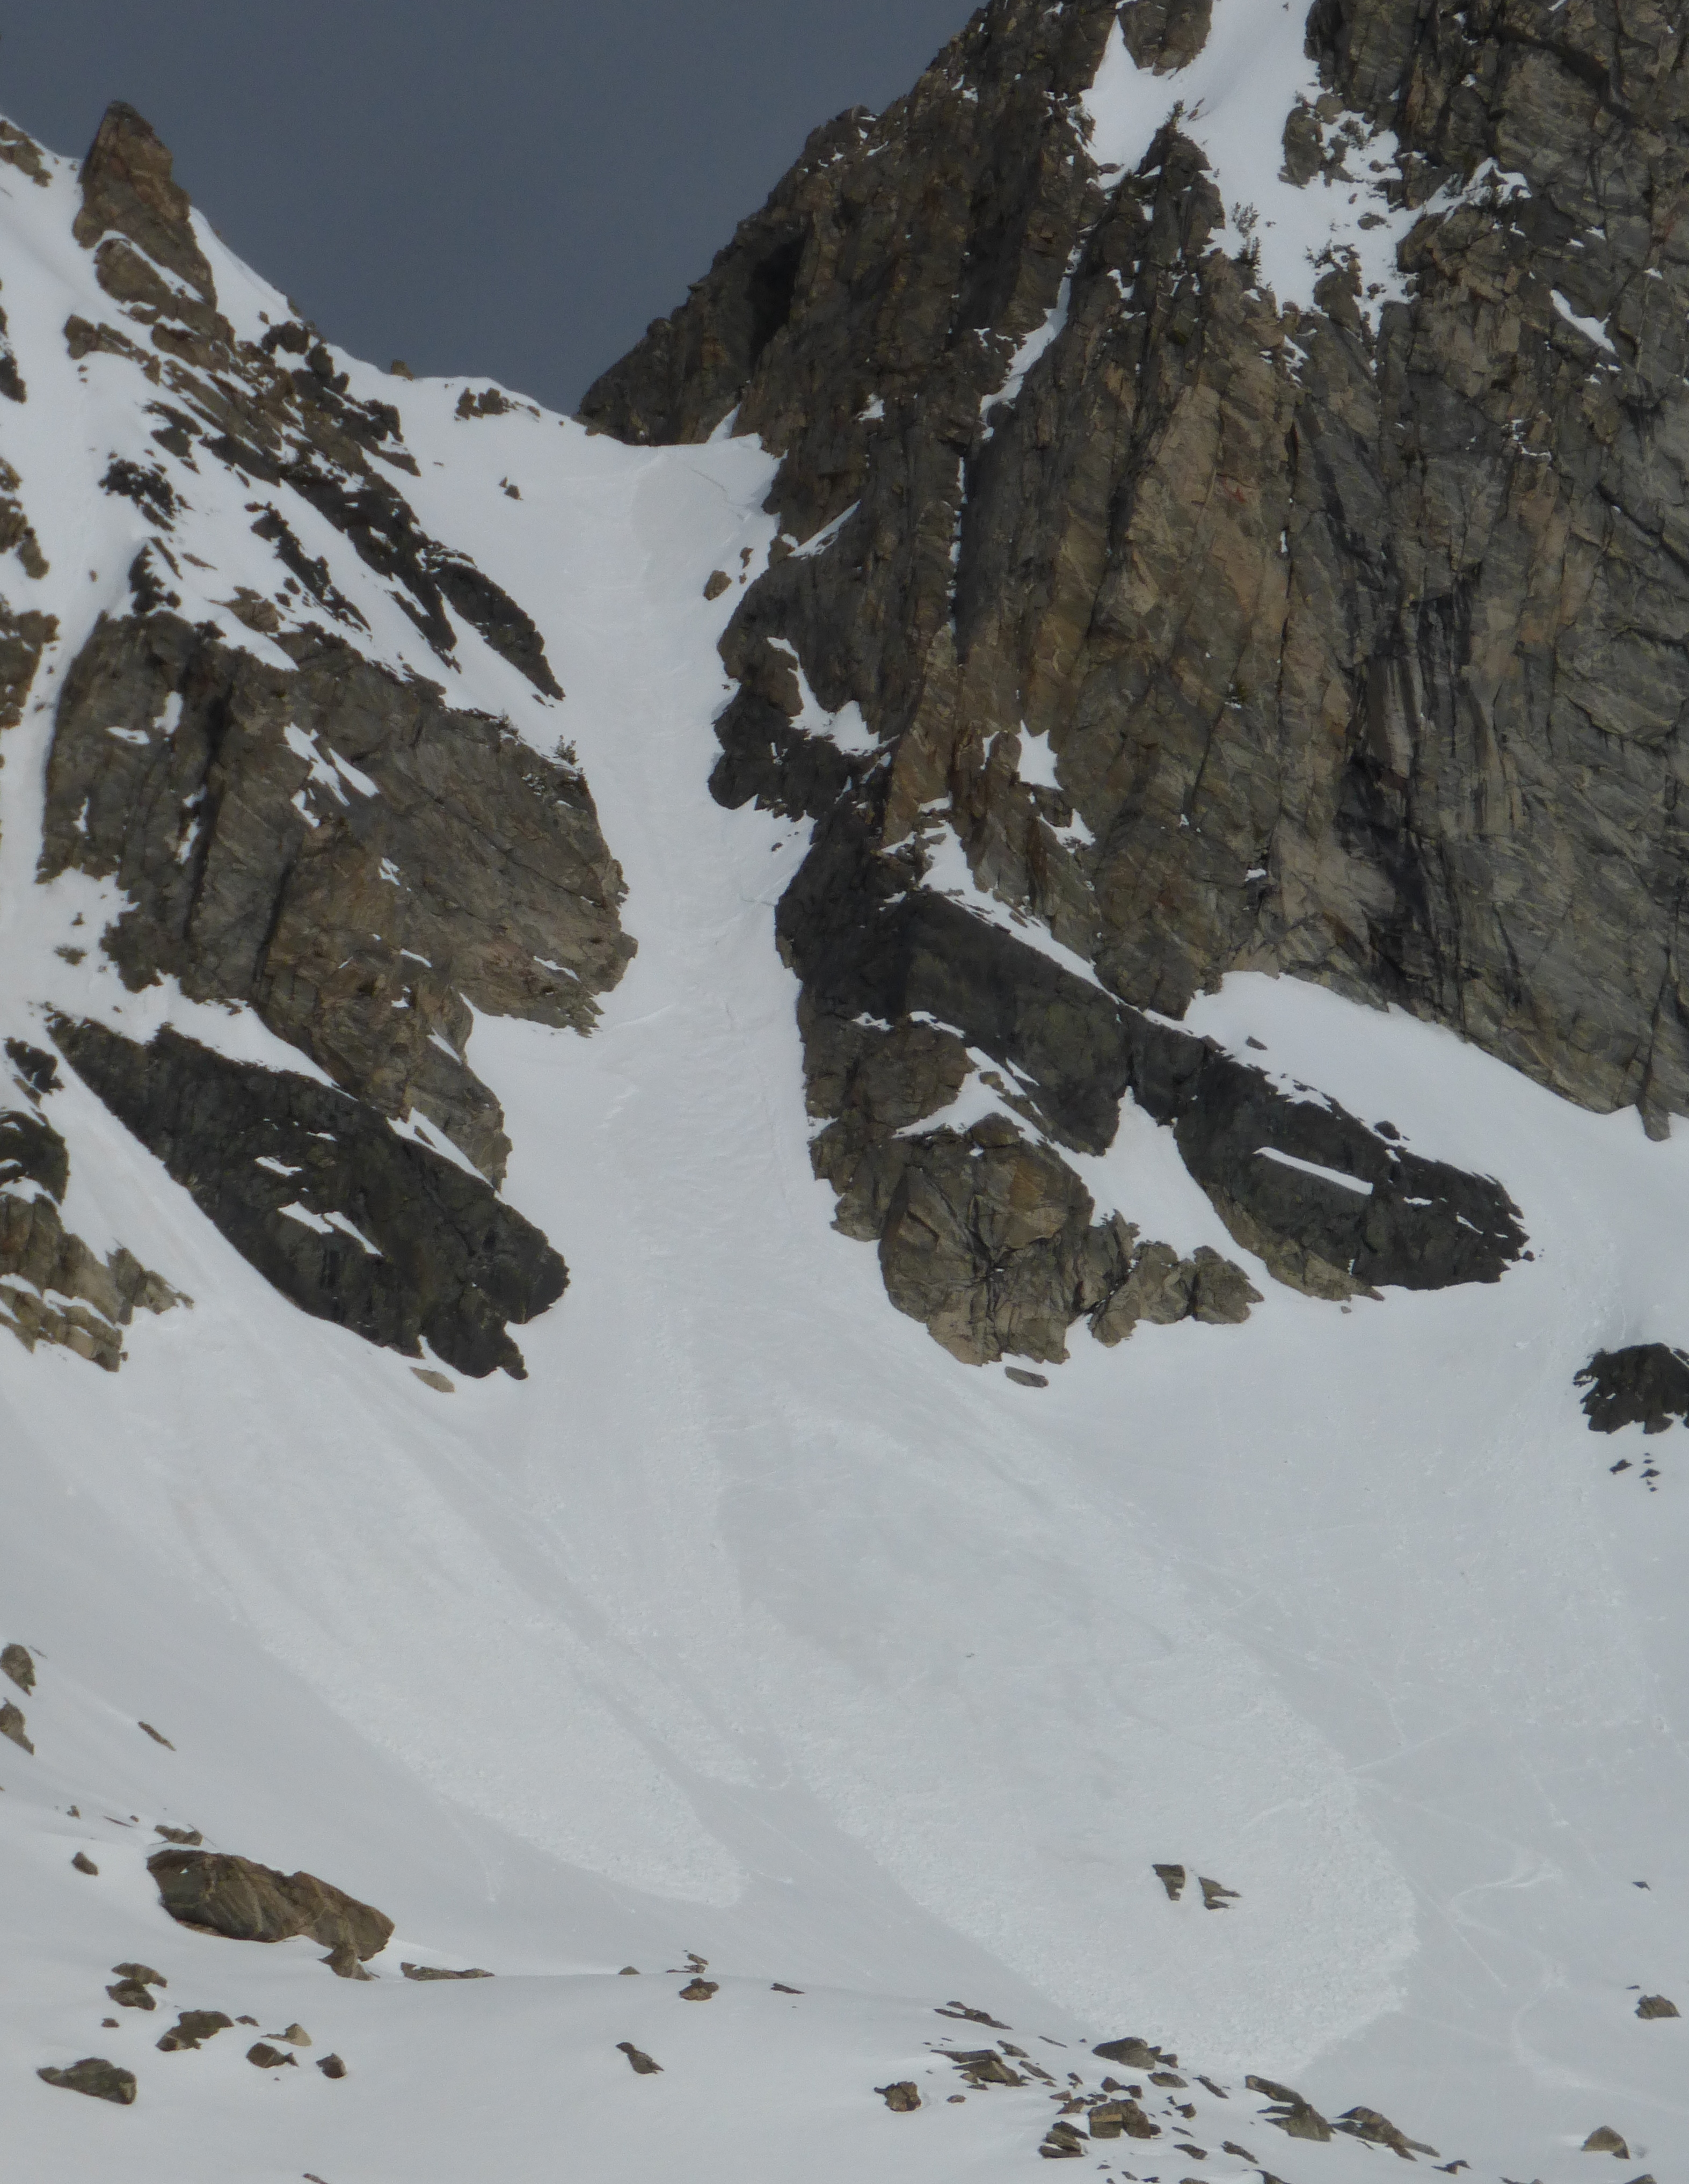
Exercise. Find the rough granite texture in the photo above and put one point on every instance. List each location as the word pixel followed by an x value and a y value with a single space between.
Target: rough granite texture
pixel 1362 656
pixel 1359 633
pixel 307 833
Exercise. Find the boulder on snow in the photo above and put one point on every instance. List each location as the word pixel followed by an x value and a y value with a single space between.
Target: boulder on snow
pixel 902 2098
pixel 1646 1384
pixel 267 2058
pixel 1655 2005
pixel 330 2066
pixel 439 1972
pixel 12 1725
pixel 17 1663
pixel 639 2060
pixel 192 2027
pixel 1603 2139
pixel 93 2076
pixel 220 1894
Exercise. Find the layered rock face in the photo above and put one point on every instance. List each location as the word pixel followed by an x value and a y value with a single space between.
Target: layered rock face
pixel 304 827
pixel 1340 636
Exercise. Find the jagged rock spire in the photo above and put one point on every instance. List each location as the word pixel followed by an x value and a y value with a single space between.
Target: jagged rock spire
pixel 129 188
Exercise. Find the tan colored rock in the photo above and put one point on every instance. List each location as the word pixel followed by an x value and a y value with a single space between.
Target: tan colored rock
pixel 902 2098
pixel 93 2076
pixel 220 1894
pixel 637 2060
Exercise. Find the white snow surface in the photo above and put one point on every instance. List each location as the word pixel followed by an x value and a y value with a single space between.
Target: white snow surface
pixel 1236 95
pixel 751 1624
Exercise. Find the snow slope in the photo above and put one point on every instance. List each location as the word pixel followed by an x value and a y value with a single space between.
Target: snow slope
pixel 753 1625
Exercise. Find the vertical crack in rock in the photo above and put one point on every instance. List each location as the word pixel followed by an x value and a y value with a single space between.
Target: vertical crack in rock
pixel 1343 634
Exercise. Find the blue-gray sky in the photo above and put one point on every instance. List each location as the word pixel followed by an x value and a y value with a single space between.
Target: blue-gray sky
pixel 507 187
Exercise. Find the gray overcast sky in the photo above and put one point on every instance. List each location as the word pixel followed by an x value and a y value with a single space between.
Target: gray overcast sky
pixel 512 188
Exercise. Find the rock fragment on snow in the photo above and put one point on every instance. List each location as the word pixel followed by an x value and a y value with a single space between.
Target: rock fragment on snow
pixel 17 1663
pixel 1172 1878
pixel 1297 2117
pixel 1603 2139
pixel 639 2061
pixel 1215 1894
pixel 246 1902
pixel 191 2028
pixel 439 1972
pixel 267 2058
pixel 699 1990
pixel 330 2066
pixel 902 2098
pixel 1655 2005
pixel 11 1724
pixel 83 1863
pixel 93 2076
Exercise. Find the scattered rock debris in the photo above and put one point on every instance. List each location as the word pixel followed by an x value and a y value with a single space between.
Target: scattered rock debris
pixel 439 1972
pixel 1215 1894
pixel 93 2076
pixel 131 1994
pixel 1172 1878
pixel 699 1990
pixel 190 1838
pixel 639 2061
pixel 901 2097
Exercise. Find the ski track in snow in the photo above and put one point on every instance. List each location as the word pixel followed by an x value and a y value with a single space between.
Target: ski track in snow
pixel 752 1622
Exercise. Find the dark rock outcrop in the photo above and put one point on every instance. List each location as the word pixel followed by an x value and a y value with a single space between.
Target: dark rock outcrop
pixel 93 2076
pixel 17 1663
pixel 218 1894
pixel 1355 630
pixel 1646 1386
pixel 352 1222
pixel 339 850
pixel 53 1288
pixel 987 1235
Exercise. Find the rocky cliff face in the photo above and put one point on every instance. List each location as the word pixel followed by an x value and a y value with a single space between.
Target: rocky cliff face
pixel 287 817
pixel 1339 632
